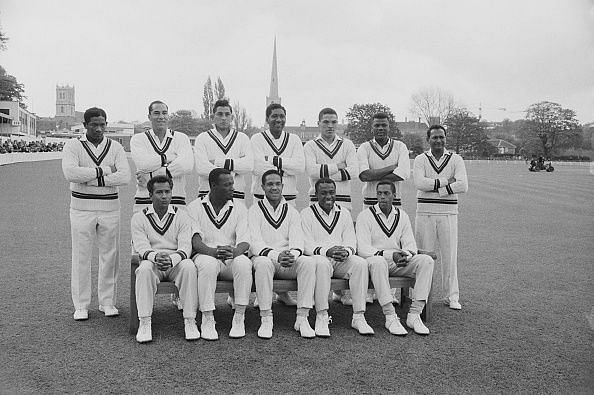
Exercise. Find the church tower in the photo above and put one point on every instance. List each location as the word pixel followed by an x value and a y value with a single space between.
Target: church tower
pixel 65 102
pixel 273 96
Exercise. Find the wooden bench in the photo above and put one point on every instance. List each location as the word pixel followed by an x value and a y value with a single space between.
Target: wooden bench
pixel 224 286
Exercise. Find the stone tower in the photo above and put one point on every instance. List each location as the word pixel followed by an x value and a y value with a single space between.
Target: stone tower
pixel 273 96
pixel 65 102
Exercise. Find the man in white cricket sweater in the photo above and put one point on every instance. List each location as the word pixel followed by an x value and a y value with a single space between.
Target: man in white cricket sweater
pixel 277 246
pixel 331 156
pixel 95 166
pixel 223 147
pixel 220 239
pixel 439 176
pixel 161 151
pixel 385 238
pixel 161 235
pixel 382 158
pixel 276 149
pixel 330 239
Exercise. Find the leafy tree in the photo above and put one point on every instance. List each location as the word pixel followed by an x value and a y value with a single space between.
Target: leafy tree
pixel 182 121
pixel 219 90
pixel 433 104
pixel 359 119
pixel 207 99
pixel 467 135
pixel 554 125
pixel 3 40
pixel 241 120
pixel 10 89
pixel 414 142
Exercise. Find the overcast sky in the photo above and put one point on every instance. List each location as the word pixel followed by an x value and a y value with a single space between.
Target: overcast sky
pixel 122 54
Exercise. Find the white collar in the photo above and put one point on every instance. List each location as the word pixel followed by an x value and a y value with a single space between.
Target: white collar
pixel 379 211
pixel 337 138
pixel 269 207
pixel 335 208
pixel 445 152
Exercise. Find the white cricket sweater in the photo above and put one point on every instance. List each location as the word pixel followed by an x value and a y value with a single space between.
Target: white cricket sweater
pixel 234 153
pixel 434 194
pixel 88 168
pixel 284 154
pixel 274 231
pixel 321 160
pixel 323 231
pixel 173 157
pixel 171 234
pixel 372 156
pixel 381 235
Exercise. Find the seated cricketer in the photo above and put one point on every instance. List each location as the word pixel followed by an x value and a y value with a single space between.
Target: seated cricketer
pixel 277 246
pixel 385 238
pixel 330 239
pixel 221 237
pixel 161 235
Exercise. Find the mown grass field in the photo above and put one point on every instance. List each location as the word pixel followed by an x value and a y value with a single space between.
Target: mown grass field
pixel 525 268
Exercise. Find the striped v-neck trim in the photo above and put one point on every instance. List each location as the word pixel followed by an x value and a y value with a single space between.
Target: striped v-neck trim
pixel 433 163
pixel 158 228
pixel 224 147
pixel 96 159
pixel 213 217
pixel 389 231
pixel 277 150
pixel 329 153
pixel 328 227
pixel 378 151
pixel 274 223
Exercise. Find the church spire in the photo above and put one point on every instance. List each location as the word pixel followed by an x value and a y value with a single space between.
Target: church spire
pixel 273 96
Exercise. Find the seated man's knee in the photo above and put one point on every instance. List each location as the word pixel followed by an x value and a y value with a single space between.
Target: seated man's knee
pixel 187 265
pixel 205 263
pixel 376 261
pixel 242 263
pixel 262 263
pixel 145 267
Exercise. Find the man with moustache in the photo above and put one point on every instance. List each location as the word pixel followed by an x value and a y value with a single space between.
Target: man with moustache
pixel 439 176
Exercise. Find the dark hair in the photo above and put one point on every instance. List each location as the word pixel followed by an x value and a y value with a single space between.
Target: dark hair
pixel 435 127
pixel 380 115
pixel 269 172
pixel 272 107
pixel 385 182
pixel 324 181
pixel 325 111
pixel 221 103
pixel 94 112
pixel 215 174
pixel 157 102
pixel 160 178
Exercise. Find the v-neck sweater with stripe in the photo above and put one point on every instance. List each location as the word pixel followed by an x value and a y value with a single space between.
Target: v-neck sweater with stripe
pixel 378 235
pixel 93 186
pixel 274 232
pixel 322 232
pixel 171 234
pixel 434 194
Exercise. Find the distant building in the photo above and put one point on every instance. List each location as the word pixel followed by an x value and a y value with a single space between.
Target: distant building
pixel 15 120
pixel 503 147
pixel 273 95
pixel 66 114
pixel 120 132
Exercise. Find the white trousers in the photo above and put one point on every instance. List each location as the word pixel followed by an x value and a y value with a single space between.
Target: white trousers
pixel 419 267
pixel 431 230
pixel 354 268
pixel 238 269
pixel 88 228
pixel 183 275
pixel 304 270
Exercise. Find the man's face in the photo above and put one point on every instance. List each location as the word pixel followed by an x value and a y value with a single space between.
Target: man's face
pixel 380 128
pixel 273 187
pixel 222 118
pixel 95 128
pixel 437 140
pixel 224 186
pixel 385 196
pixel 326 195
pixel 327 126
pixel 161 195
pixel 159 116
pixel 276 120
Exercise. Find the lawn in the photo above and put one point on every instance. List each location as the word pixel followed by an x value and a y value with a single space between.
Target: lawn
pixel 525 269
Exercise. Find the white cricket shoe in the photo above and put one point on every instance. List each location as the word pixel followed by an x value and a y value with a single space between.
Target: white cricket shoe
pixel 394 326
pixel 322 321
pixel 110 311
pixel 266 325
pixel 191 330
pixel 361 325
pixel 208 329
pixel 237 327
pixel 304 329
pixel 144 334
pixel 81 315
pixel 414 322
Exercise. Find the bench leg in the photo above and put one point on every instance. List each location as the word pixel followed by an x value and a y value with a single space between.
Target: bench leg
pixel 133 309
